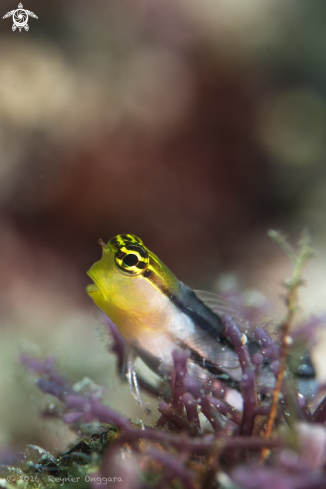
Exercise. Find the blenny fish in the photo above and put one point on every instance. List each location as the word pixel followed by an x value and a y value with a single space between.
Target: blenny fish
pixel 155 313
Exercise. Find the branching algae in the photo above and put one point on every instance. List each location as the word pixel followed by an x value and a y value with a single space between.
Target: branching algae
pixel 202 348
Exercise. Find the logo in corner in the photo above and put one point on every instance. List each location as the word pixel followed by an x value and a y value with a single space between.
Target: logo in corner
pixel 20 18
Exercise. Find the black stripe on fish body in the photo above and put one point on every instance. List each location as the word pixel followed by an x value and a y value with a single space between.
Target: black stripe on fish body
pixel 189 304
pixel 209 322
pixel 210 328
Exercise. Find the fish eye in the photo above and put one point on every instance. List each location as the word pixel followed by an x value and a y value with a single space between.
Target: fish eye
pixel 130 260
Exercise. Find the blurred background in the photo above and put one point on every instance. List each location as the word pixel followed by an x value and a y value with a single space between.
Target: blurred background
pixel 196 125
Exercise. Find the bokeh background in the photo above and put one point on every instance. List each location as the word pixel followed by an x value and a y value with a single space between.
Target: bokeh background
pixel 194 124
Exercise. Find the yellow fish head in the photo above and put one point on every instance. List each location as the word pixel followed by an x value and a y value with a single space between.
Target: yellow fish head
pixel 131 285
pixel 122 258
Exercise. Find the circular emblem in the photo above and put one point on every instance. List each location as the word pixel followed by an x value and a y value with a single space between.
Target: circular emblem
pixel 20 18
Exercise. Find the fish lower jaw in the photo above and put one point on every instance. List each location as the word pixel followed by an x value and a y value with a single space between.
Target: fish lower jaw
pixel 92 288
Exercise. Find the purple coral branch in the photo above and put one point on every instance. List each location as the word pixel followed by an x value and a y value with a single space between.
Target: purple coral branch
pixel 71 418
pixel 53 388
pixel 105 414
pixel 191 409
pixel 249 395
pixel 232 332
pixel 119 345
pixel 44 367
pixel 182 382
pixel 226 410
pixel 193 386
pixel 176 418
pixel 211 414
pixel 270 349
pixel 180 369
pixel 89 409
pixel 217 389
pixel 92 410
pixel 249 392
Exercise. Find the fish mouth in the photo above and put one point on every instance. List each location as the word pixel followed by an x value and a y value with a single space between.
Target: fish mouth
pixel 96 294
pixel 92 288
pixel 99 290
pixel 96 289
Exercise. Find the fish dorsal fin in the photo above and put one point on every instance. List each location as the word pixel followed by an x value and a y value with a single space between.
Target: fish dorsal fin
pixel 221 306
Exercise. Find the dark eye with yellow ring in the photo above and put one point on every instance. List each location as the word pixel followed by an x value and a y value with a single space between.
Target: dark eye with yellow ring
pixel 132 258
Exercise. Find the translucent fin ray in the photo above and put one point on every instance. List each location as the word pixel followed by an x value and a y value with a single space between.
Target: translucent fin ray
pixel 221 306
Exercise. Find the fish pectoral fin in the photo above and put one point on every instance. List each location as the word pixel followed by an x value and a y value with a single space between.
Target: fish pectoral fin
pixel 212 354
pixel 131 375
pixel 221 306
pixel 229 379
